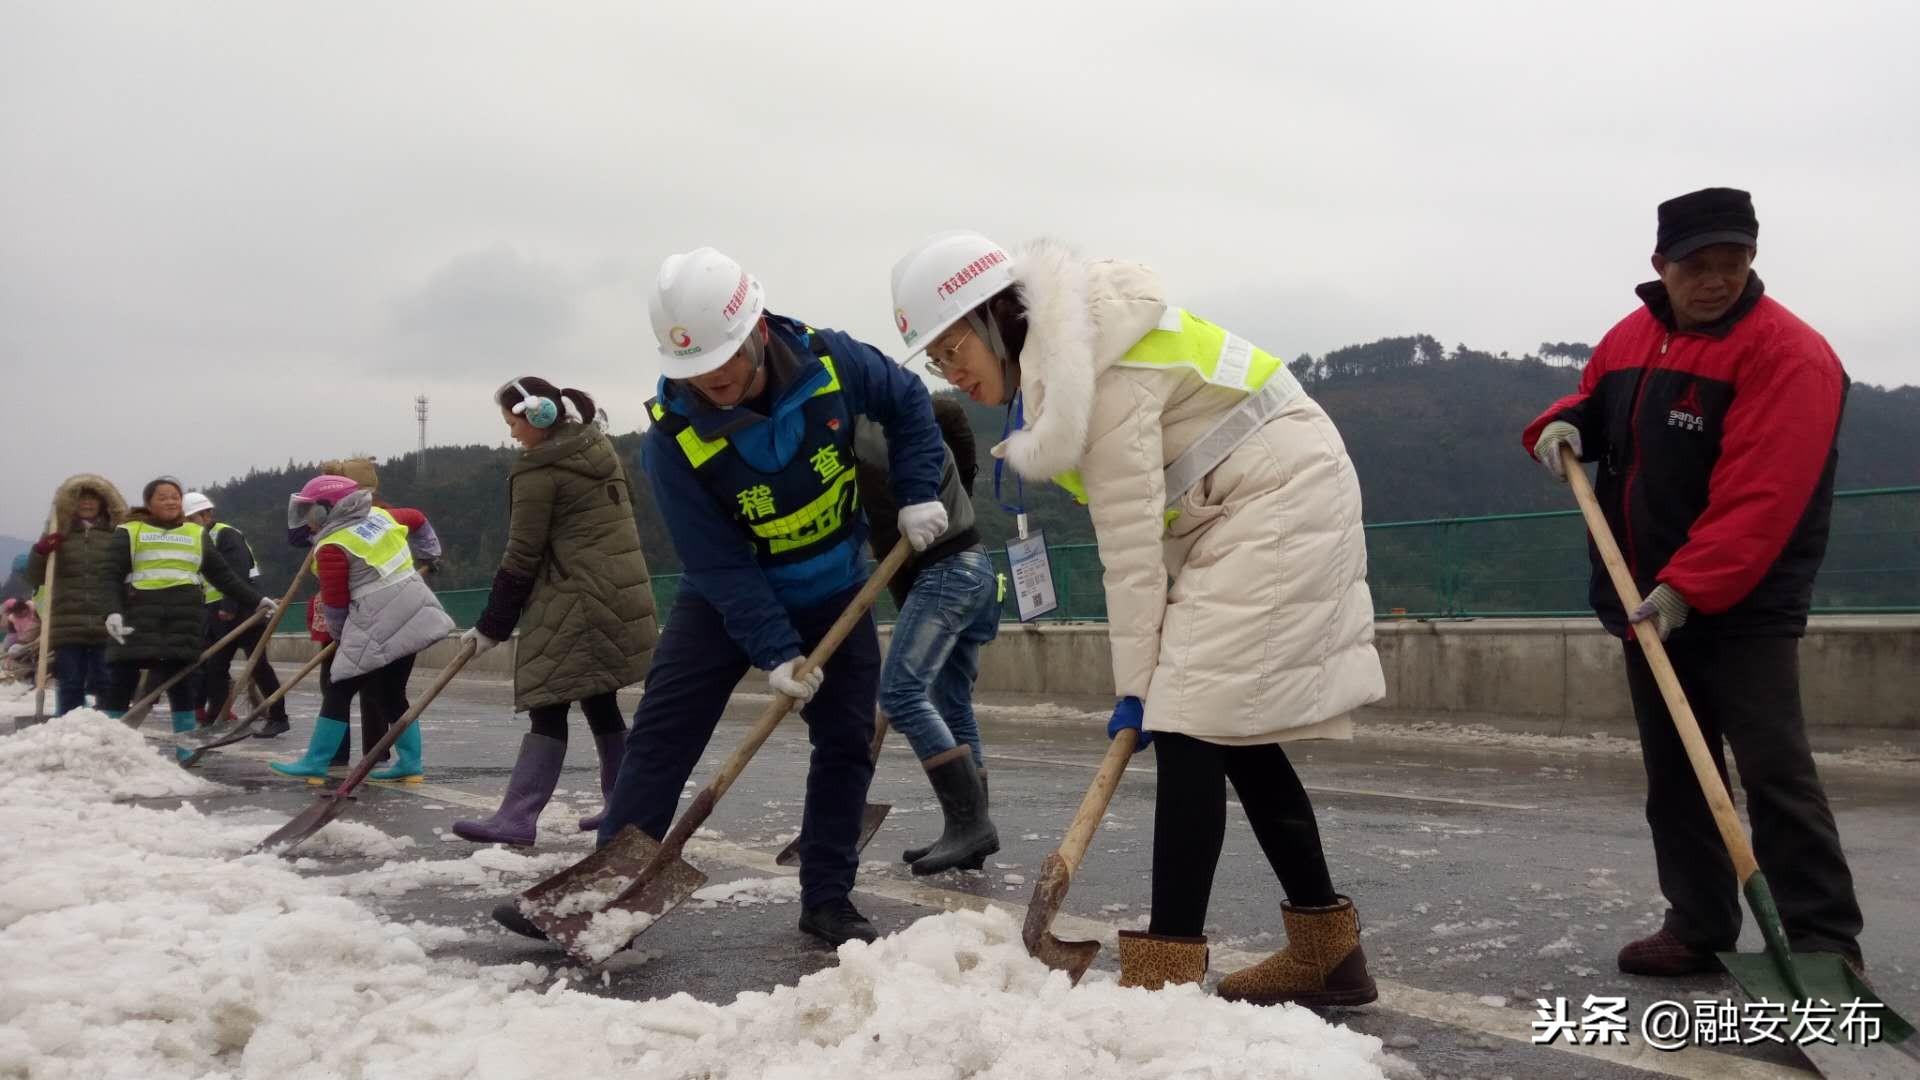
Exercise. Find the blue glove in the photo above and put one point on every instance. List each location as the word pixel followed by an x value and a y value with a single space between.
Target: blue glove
pixel 1128 714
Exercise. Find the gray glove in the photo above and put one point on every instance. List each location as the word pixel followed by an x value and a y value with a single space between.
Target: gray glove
pixel 117 629
pixel 1547 448
pixel 1666 607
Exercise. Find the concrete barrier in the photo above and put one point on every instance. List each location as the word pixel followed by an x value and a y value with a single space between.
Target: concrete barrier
pixel 1859 674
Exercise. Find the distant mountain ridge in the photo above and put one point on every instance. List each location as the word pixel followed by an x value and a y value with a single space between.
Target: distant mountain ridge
pixel 1432 432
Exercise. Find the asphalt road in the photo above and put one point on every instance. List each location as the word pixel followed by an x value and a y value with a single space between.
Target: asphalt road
pixel 1489 872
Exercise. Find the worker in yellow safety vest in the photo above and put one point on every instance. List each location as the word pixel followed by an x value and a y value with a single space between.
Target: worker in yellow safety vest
pixel 165 562
pixel 222 612
pixel 1228 520
pixel 751 460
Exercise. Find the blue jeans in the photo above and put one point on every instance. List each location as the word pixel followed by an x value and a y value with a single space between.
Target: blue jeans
pixel 79 669
pixel 926 684
pixel 696 666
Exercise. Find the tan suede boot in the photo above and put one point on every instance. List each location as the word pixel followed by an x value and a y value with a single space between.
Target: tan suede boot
pixel 1151 961
pixel 1322 964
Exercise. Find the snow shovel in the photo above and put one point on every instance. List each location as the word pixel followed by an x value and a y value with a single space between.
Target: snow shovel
pixel 260 647
pixel 137 712
pixel 213 740
pixel 1073 957
pixel 644 878
pixel 46 642
pixel 870 818
pixel 1822 980
pixel 333 803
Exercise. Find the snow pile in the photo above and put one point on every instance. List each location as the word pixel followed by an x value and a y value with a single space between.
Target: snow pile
pixel 86 754
pixel 134 943
pixel 766 890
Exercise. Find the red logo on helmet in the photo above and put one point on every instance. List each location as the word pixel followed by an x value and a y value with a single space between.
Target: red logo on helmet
pixel 833 423
pixel 680 338
pixel 900 319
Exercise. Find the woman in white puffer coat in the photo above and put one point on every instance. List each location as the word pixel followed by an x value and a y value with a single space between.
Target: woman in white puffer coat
pixel 1239 616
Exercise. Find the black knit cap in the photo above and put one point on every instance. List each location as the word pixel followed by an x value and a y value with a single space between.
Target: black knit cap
pixel 1714 215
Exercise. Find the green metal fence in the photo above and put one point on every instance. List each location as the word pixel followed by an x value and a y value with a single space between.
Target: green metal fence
pixel 1475 567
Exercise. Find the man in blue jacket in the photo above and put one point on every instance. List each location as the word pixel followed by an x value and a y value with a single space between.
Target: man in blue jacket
pixel 750 455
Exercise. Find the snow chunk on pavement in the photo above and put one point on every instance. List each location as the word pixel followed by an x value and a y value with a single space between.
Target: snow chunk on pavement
pixel 767 890
pixel 133 943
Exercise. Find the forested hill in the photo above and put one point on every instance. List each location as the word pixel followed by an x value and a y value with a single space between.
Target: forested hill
pixel 1434 432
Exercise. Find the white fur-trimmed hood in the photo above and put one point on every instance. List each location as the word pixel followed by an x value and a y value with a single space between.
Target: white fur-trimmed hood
pixel 1081 317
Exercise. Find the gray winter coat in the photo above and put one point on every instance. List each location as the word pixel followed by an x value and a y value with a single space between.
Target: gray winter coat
pixel 387 618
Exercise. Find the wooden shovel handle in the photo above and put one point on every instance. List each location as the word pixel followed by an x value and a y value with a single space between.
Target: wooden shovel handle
pixel 1655 650
pixel 138 710
pixel 46 624
pixel 1093 806
pixel 260 647
pixel 287 686
pixel 371 759
pixel 703 803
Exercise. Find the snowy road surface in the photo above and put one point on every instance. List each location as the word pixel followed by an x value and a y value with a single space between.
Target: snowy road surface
pixel 1489 870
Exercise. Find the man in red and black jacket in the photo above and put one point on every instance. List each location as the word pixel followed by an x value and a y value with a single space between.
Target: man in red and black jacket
pixel 1714 415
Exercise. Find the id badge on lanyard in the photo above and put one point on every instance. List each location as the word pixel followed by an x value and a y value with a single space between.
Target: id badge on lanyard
pixel 1033 592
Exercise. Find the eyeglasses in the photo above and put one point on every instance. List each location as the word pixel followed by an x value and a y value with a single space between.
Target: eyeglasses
pixel 939 364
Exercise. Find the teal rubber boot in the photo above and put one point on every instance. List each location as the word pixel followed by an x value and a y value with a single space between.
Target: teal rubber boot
pixel 327 736
pixel 406 758
pixel 114 714
pixel 184 722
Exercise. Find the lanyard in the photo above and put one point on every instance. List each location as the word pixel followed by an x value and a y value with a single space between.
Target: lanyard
pixel 1016 417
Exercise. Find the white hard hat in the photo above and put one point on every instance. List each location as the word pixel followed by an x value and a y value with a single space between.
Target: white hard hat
pixel 703 307
pixel 194 503
pixel 942 279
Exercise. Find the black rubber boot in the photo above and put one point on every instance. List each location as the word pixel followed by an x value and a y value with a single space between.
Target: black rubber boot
pixel 969 834
pixel 836 922
pixel 915 854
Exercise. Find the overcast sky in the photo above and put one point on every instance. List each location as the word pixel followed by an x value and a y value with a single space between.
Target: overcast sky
pixel 235 233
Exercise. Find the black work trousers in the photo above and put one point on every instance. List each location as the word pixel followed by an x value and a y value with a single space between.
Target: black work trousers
pixel 1745 692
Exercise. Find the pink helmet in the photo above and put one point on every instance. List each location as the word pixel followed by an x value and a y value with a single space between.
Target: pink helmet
pixel 327 488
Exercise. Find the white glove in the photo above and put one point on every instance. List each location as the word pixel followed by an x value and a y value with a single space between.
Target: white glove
pixel 923 523
pixel 480 642
pixel 800 688
pixel 117 629
pixel 1547 449
pixel 268 605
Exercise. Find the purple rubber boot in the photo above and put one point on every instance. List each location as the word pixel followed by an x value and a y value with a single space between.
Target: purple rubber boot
pixel 528 789
pixel 611 746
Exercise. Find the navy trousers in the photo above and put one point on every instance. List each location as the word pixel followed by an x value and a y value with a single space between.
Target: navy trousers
pixel 696 667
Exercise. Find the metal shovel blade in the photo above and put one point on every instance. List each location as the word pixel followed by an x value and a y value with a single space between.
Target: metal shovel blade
pixel 870 821
pixel 621 888
pixel 1826 978
pixel 1072 957
pixel 304 824
pixel 213 740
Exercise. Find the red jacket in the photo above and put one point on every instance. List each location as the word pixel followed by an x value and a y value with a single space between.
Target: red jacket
pixel 1717 449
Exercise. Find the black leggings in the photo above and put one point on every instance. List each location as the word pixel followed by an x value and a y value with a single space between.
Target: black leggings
pixel 123 681
pixel 383 697
pixel 1190 825
pixel 602 712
